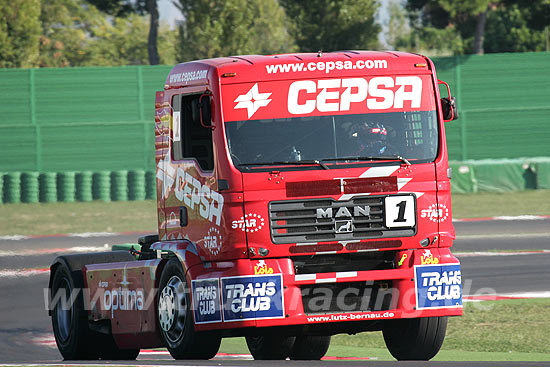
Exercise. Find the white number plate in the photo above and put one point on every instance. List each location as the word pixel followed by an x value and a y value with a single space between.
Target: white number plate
pixel 399 211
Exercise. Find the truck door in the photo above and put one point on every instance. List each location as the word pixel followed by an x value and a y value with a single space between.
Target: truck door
pixel 202 197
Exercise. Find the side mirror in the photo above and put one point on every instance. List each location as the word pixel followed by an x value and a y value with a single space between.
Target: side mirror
pixel 201 111
pixel 448 105
pixel 450 112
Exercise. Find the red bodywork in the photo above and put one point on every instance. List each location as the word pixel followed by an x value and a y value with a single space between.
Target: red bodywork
pixel 228 237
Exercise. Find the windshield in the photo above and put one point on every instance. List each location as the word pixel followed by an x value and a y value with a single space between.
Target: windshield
pixel 330 139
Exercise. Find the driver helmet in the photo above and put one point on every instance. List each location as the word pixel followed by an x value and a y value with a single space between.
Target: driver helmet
pixel 373 131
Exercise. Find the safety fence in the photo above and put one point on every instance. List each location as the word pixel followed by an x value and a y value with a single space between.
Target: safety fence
pixel 500 175
pixel 71 121
pixel 49 187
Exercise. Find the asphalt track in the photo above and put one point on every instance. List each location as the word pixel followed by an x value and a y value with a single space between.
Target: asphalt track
pixel 25 329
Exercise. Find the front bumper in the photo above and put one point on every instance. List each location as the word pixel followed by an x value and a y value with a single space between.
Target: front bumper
pixel 268 293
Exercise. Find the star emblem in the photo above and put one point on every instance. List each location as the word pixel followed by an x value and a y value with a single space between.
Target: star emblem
pixel 166 173
pixel 252 100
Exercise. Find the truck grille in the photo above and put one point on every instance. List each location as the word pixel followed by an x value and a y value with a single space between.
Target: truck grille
pixel 365 261
pixel 346 297
pixel 298 221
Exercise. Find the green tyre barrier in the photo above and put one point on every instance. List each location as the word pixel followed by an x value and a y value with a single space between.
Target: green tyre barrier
pixel 48 187
pixel 66 187
pixel 12 187
pixel 136 185
pixel 151 185
pixel 84 186
pixel 119 186
pixel 1 188
pixel 29 187
pixel 101 186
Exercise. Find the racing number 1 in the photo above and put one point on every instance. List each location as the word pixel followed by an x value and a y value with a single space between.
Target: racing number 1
pixel 401 215
pixel 399 211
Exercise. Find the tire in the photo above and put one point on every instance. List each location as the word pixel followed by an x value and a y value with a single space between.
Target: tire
pixel 270 347
pixel 415 339
pixel 308 347
pixel 69 321
pixel 175 317
pixel 109 349
pixel 73 336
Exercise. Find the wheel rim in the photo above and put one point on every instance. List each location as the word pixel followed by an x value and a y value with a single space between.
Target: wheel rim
pixel 172 309
pixel 63 312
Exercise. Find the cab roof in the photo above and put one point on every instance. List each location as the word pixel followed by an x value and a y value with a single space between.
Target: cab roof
pixel 250 68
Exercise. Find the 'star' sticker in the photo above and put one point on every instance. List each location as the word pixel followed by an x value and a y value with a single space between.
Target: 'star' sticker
pixel 438 286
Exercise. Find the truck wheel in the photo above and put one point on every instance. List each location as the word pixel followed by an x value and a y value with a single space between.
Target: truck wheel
pixel 309 347
pixel 72 334
pixel 274 347
pixel 69 320
pixel 109 350
pixel 175 317
pixel 415 339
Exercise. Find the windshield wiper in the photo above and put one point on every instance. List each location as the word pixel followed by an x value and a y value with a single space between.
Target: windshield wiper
pixel 371 158
pixel 285 163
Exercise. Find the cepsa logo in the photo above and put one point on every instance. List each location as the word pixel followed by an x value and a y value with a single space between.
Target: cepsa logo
pixel 332 95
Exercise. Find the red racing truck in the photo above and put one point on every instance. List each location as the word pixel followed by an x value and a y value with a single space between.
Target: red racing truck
pixel 298 196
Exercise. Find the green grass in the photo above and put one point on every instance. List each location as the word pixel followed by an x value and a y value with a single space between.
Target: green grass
pixel 140 216
pixel 514 330
pixel 53 218
pixel 530 202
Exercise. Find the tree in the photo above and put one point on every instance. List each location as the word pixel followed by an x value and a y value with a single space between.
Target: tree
pixel 397 26
pixel 152 47
pixel 509 29
pixel 66 26
pixel 330 25
pixel 19 33
pixel 214 28
pixel 123 41
pixel 122 8
pixel 448 16
pixel 477 26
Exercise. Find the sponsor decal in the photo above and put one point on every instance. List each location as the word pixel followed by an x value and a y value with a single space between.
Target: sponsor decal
pixel 103 284
pixel 206 300
pixel 213 241
pixel 188 189
pixel 252 100
pixel 196 196
pixel 261 268
pixel 437 213
pixel 334 95
pixel 326 66
pixel 428 258
pixel 352 316
pixel 122 298
pixel 188 76
pixel 438 286
pixel 252 297
pixel 249 223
